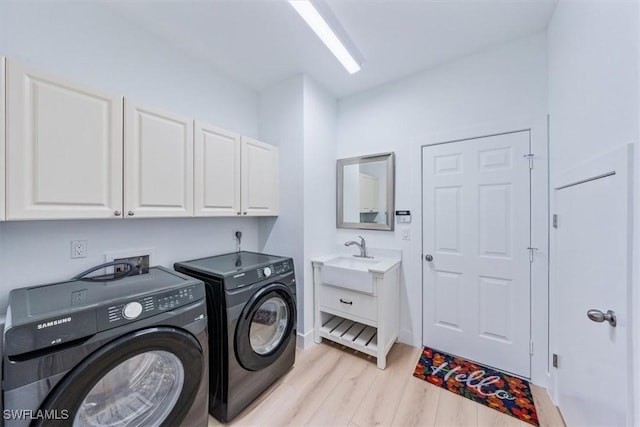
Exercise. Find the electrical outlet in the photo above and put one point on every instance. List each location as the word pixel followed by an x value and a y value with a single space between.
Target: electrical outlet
pixel 142 262
pixel 78 249
pixel 132 255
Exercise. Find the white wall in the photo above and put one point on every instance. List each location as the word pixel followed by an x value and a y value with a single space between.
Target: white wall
pixel 320 115
pixel 35 252
pixel 494 85
pixel 89 43
pixel 593 101
pixel 299 116
pixel 281 123
pixel 593 80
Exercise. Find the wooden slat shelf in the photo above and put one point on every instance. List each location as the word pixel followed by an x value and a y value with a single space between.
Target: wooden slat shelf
pixel 351 334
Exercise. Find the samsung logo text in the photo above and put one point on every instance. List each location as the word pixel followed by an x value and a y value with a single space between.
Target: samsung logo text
pixel 54 323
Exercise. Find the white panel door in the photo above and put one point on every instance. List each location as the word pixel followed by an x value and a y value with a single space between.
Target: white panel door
pixel 476 290
pixel 64 148
pixel 259 178
pixel 592 271
pixel 216 171
pixel 2 135
pixel 158 173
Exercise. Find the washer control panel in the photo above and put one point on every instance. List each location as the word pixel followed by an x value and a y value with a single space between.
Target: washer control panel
pixel 151 305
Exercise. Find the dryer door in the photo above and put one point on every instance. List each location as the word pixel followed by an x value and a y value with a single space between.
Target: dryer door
pixel 265 327
pixel 147 378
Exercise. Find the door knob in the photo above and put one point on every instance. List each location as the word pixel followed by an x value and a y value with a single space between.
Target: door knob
pixel 599 316
pixel 117 213
pixel 428 257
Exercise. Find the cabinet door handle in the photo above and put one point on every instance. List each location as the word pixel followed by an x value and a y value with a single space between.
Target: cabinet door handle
pixel 244 213
pixel 130 213
pixel 117 213
pixel 346 302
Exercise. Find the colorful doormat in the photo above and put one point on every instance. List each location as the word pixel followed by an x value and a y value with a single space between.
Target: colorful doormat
pixel 479 383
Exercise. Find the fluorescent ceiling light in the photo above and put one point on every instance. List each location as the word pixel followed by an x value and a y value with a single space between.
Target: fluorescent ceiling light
pixel 317 23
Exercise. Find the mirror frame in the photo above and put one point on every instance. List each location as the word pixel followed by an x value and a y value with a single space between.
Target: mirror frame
pixel 389 158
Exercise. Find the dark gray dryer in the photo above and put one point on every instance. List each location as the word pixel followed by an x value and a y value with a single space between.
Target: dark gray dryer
pixel 107 353
pixel 251 300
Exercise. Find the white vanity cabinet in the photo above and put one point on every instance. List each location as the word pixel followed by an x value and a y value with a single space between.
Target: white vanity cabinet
pixel 365 321
pixel 158 163
pixel 63 148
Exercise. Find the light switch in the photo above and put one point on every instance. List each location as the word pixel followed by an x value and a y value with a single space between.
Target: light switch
pixel 406 234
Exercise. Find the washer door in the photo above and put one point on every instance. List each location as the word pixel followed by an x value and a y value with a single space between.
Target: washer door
pixel 147 378
pixel 265 327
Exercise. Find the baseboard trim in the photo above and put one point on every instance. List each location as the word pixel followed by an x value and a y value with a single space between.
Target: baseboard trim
pixel 406 336
pixel 304 341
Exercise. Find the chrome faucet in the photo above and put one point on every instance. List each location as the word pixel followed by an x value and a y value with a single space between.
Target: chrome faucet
pixel 362 246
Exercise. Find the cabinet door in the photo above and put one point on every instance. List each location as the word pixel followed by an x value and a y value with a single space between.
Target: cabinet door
pixel 158 163
pixel 368 193
pixel 2 136
pixel 259 178
pixel 63 148
pixel 216 171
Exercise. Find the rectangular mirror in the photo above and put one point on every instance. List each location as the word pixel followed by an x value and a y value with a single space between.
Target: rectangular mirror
pixel 366 192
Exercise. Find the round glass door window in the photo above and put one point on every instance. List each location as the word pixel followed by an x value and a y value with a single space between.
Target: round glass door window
pixel 268 325
pixel 141 391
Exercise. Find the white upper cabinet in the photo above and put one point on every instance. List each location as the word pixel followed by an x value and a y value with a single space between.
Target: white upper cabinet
pixel 369 189
pixel 216 171
pixel 259 178
pixel 63 148
pixel 72 152
pixel 2 136
pixel 158 170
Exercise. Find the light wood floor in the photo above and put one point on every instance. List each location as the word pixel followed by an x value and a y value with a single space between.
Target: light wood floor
pixel 331 385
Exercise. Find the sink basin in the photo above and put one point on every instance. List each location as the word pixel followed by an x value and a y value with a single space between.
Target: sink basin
pixel 349 272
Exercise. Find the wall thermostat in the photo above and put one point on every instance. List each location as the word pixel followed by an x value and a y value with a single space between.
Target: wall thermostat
pixel 403 216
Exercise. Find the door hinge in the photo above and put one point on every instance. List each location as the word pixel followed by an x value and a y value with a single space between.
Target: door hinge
pixel 531 348
pixel 555 360
pixel 531 251
pixel 555 220
pixel 530 156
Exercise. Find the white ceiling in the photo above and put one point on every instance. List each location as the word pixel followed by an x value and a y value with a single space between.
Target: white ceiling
pixel 260 43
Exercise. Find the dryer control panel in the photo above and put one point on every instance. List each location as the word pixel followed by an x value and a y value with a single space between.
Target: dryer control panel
pixel 276 268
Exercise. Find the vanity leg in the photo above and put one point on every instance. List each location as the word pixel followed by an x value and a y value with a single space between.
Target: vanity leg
pixel 382 361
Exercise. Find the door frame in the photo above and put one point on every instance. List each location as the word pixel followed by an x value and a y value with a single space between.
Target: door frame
pixel 538 131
